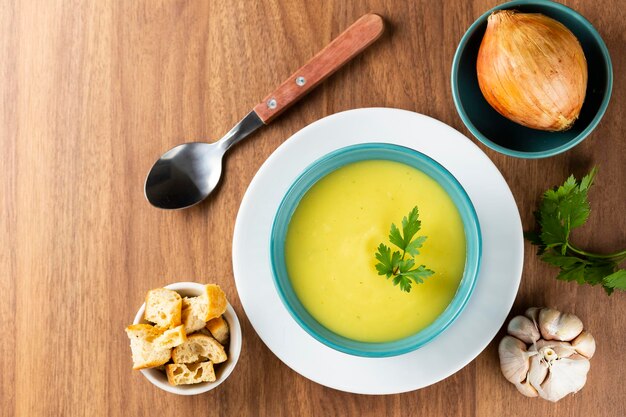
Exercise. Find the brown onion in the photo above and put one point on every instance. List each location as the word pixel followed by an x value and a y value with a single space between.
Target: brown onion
pixel 532 70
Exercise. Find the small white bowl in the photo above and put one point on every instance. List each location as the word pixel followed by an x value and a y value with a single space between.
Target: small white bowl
pixel 222 370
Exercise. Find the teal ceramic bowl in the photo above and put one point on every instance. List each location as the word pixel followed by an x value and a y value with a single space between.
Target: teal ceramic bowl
pixel 321 168
pixel 508 137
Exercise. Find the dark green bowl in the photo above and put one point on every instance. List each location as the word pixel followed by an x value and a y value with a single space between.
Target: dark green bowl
pixel 510 138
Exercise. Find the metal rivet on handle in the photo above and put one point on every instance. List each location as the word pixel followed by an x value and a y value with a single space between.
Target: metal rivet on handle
pixel 300 81
pixel 271 103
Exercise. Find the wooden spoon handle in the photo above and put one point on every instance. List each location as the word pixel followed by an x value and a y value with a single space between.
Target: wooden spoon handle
pixel 342 49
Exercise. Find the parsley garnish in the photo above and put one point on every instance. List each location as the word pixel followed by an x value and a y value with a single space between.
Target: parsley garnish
pixel 561 210
pixel 393 264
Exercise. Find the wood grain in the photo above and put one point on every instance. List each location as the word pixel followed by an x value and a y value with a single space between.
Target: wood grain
pixel 335 55
pixel 94 91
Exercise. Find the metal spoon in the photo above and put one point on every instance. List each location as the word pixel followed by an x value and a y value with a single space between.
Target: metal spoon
pixel 186 174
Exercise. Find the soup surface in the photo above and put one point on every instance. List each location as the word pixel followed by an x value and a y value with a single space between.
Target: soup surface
pixel 333 236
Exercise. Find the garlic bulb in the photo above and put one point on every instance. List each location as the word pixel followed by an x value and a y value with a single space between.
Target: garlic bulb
pixel 532 70
pixel 546 353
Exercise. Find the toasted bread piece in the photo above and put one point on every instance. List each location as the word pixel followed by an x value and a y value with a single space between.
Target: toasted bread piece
pixel 196 311
pixel 180 373
pixel 204 331
pixel 171 338
pixel 211 304
pixel 191 322
pixel 145 355
pixel 163 308
pixel 219 329
pixel 199 347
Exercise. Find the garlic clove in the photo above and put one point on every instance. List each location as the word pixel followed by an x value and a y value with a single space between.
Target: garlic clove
pixel 524 329
pixel 585 344
pixel 562 349
pixel 514 359
pixel 555 325
pixel 537 372
pixel 533 314
pixel 566 376
pixel 548 318
pixel 526 389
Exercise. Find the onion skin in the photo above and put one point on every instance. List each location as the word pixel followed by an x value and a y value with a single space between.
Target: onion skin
pixel 532 70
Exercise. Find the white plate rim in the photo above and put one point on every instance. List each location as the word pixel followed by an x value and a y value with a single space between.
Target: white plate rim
pixel 497 284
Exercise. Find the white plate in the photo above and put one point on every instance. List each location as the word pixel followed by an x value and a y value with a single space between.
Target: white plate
pixel 496 286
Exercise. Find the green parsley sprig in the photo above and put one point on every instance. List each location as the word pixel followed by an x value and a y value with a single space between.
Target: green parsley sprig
pixel 393 264
pixel 562 209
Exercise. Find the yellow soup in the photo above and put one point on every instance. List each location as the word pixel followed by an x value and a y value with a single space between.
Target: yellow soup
pixel 333 236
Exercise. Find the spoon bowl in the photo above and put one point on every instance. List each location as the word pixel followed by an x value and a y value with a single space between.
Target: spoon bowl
pixel 185 175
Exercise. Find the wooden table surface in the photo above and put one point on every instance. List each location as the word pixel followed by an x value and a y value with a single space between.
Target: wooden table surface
pixel 94 91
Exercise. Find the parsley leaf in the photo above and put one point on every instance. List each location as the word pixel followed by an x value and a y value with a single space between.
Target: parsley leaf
pixel 615 280
pixel 413 246
pixel 394 264
pixel 562 209
pixel 418 274
pixel 395 237
pixel 387 261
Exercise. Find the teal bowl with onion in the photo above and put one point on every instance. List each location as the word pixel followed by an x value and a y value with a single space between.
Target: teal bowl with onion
pixel 332 162
pixel 506 136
